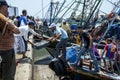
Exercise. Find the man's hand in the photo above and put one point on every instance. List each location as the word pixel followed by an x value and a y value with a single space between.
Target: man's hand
pixel 16 30
pixel 31 43
pixel 53 40
pixel 39 36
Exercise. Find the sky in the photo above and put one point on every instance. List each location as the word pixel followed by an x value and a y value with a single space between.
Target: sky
pixel 34 7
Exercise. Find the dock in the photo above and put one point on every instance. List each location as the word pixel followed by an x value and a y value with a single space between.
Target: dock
pixel 24 66
pixel 28 69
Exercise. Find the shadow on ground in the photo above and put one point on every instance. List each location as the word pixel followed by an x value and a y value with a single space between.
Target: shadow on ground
pixel 44 61
pixel 25 60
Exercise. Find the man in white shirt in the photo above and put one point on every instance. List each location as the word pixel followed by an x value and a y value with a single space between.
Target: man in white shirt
pixel 61 34
pixel 22 38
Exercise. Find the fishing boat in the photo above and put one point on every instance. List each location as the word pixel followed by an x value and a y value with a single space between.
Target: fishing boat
pixel 86 70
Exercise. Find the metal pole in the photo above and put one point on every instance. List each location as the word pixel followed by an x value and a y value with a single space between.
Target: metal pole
pixel 51 11
pixel 59 10
pixel 66 11
pixel 109 26
pixel 32 66
pixel 42 10
pixel 92 13
pixel 83 12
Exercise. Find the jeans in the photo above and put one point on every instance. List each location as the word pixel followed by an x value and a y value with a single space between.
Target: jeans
pixel 82 51
pixel 62 44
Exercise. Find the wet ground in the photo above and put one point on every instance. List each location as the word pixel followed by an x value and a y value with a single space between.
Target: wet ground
pixel 41 69
pixel 35 67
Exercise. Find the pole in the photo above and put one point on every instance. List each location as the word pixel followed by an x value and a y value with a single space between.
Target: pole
pixel 59 10
pixel 42 10
pixel 83 12
pixel 51 11
pixel 32 67
pixel 92 13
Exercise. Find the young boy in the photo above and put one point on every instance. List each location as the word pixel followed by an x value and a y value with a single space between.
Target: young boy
pixel 109 52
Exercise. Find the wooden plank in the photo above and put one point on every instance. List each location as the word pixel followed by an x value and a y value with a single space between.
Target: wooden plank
pixel 92 74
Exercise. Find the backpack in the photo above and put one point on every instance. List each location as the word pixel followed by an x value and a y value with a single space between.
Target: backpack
pixel 59 66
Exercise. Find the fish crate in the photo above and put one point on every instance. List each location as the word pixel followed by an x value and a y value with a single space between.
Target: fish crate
pixel 87 63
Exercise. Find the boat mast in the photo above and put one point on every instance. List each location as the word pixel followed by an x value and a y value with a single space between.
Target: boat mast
pixel 51 10
pixel 58 10
pixel 75 9
pixel 92 12
pixel 42 10
pixel 116 5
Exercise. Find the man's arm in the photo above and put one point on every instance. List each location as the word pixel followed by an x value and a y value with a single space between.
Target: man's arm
pixel 58 36
pixel 91 41
pixel 51 38
pixel 9 25
pixel 14 29
pixel 81 42
pixel 35 34
pixel 105 51
pixel 54 37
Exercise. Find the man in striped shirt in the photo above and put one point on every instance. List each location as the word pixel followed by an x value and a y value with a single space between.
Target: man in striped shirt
pixel 7 29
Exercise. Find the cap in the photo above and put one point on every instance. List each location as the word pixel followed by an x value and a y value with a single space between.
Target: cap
pixel 31 23
pixel 40 23
pixel 52 25
pixel 3 3
pixel 64 20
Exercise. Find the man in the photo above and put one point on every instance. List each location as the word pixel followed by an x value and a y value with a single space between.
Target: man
pixel 61 34
pixel 24 36
pixel 23 18
pixel 87 45
pixel 39 23
pixel 7 29
pixel 66 27
pixel 109 50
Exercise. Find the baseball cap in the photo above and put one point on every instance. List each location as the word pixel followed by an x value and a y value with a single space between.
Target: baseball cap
pixel 31 23
pixel 52 25
pixel 40 23
pixel 64 20
pixel 3 2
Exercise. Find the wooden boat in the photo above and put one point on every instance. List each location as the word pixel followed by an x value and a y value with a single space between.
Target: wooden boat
pixel 85 73
pixel 86 69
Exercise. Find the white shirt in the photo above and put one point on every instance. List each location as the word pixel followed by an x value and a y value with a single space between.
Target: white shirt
pixel 24 32
pixel 62 31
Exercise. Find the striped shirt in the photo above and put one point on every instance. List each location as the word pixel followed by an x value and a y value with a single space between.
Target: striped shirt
pixel 6 33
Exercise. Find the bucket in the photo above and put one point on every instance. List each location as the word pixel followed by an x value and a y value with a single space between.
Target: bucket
pixel 71 55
